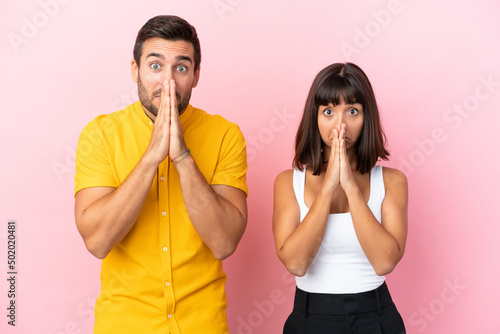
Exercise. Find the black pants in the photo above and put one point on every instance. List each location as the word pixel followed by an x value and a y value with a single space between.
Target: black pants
pixel 371 312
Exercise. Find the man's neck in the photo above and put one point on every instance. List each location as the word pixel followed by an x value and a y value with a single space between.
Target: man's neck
pixel 152 117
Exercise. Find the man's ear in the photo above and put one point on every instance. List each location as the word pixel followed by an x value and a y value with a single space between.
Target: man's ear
pixel 134 70
pixel 196 78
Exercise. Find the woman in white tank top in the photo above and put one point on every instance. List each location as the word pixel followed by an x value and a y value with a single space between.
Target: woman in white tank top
pixel 340 221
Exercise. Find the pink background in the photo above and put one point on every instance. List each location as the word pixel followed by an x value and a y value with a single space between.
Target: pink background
pixel 435 71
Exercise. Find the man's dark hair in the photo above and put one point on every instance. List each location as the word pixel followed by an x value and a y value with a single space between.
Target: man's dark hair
pixel 334 84
pixel 171 28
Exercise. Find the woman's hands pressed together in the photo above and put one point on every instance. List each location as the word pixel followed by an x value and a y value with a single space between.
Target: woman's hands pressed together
pixel 339 170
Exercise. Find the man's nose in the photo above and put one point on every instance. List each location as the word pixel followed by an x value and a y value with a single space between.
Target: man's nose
pixel 167 75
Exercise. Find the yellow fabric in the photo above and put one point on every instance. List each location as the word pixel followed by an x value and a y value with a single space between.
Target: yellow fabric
pixel 161 278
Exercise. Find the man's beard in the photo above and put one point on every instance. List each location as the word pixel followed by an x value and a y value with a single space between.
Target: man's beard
pixel 147 101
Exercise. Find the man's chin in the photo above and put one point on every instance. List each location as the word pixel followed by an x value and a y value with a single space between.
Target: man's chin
pixel 151 109
pixel 182 107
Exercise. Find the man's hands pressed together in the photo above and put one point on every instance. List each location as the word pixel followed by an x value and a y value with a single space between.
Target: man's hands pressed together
pixel 105 215
pixel 167 139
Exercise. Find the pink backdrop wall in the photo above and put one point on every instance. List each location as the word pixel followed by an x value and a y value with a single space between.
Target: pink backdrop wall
pixel 435 70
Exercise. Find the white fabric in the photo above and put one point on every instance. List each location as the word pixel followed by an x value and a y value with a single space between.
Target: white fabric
pixel 341 266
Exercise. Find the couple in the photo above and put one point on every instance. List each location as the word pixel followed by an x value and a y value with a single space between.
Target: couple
pixel 160 197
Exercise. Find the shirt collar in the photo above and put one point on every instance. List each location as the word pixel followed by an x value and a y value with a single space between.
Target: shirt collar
pixel 137 106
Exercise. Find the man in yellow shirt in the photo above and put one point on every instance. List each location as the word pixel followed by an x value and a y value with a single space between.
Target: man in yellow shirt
pixel 160 195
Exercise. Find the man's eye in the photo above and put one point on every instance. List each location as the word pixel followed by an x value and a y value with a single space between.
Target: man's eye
pixel 155 66
pixel 181 68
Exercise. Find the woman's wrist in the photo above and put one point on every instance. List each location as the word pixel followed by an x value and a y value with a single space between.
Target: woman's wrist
pixel 353 193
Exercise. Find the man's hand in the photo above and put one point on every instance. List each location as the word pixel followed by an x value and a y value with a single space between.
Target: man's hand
pixel 159 144
pixel 177 144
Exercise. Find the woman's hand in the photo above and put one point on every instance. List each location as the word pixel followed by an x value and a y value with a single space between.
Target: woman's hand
pixel 332 176
pixel 347 181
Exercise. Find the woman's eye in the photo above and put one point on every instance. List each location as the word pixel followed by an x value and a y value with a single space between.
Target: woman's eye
pixel 155 66
pixel 181 68
pixel 327 111
pixel 353 111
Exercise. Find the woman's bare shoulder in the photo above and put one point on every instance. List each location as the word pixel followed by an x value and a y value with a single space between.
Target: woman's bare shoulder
pixel 394 177
pixel 285 177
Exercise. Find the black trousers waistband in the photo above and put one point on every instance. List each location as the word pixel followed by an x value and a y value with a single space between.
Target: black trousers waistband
pixel 342 304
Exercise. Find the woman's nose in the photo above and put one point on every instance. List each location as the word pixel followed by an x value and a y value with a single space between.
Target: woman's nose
pixel 340 121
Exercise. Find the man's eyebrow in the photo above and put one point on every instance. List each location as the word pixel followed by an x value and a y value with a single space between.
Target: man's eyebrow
pixel 159 55
pixel 185 58
pixel 155 54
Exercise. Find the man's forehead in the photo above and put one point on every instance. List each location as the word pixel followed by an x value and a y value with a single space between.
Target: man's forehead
pixel 163 48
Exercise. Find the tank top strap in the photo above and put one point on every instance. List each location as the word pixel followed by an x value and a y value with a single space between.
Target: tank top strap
pixel 377 187
pixel 299 181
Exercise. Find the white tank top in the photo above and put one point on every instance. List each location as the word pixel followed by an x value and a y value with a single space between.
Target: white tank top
pixel 341 266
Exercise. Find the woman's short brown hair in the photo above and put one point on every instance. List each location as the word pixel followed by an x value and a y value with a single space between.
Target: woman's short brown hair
pixel 334 84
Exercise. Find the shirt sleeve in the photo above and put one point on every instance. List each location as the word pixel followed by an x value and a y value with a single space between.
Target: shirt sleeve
pixel 93 168
pixel 232 164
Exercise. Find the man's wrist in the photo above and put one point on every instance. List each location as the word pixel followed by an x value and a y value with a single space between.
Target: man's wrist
pixel 149 161
pixel 181 156
pixel 185 166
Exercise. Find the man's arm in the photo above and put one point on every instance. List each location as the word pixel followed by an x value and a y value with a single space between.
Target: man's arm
pixel 105 215
pixel 218 212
